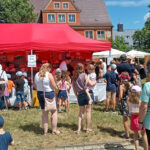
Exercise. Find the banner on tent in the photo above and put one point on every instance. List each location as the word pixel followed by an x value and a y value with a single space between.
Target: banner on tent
pixel 31 60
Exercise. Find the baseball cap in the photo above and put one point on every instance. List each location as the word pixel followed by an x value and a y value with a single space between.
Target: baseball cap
pixel 136 88
pixel 1 121
pixel 123 57
pixel 8 76
pixel 58 70
pixel 19 73
pixel 113 66
pixel 24 74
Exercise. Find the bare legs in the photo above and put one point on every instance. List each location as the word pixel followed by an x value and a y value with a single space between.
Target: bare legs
pixel 53 121
pixel 126 127
pixel 82 110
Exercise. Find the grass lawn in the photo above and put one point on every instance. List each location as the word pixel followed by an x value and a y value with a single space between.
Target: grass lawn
pixel 25 127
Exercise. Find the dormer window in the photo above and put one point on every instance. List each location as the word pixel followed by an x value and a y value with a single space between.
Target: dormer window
pixel 56 5
pixel 65 5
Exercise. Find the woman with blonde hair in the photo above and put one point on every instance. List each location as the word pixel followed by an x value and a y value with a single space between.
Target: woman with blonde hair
pixel 80 82
pixel 44 82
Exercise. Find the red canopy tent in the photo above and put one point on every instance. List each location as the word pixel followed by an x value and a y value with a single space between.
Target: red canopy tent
pixel 46 37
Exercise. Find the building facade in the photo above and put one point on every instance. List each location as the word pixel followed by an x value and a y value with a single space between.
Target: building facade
pixel 125 33
pixel 88 17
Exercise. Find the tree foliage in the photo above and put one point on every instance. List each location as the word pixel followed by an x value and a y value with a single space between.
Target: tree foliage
pixel 142 37
pixel 16 11
pixel 119 43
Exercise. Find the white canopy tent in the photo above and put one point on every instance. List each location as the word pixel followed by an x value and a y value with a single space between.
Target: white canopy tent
pixel 113 53
pixel 137 54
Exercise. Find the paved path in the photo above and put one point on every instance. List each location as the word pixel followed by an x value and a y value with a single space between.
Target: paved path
pixel 124 145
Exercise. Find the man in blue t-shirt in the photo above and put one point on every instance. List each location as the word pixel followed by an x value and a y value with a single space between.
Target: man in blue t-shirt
pixel 5 137
pixel 111 78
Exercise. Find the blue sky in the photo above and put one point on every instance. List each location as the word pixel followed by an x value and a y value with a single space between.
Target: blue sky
pixel 132 13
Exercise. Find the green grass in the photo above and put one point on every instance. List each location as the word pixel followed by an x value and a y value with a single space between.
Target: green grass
pixel 25 127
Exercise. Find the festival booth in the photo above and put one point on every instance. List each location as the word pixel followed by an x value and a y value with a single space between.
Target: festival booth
pixel 49 42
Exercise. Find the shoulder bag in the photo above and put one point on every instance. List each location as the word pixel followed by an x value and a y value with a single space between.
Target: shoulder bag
pixel 50 104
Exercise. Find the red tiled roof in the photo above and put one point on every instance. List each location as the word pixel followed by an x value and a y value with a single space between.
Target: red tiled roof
pixel 93 12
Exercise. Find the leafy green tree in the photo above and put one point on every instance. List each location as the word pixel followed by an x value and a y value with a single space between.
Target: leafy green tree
pixel 119 43
pixel 16 11
pixel 142 37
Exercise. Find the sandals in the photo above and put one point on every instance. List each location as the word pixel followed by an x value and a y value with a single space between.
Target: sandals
pixel 88 130
pixel 77 132
pixel 57 132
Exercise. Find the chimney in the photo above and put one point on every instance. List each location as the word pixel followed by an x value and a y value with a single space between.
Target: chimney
pixel 120 27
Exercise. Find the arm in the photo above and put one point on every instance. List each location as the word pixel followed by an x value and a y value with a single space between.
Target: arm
pixel 52 81
pixel 120 92
pixel 12 143
pixel 143 111
pixel 75 92
pixel 69 86
pixel 89 82
pixel 34 85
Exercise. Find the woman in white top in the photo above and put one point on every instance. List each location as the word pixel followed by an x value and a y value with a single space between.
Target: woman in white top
pixel 45 79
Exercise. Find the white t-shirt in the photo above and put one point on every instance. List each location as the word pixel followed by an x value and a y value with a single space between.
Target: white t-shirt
pixel 45 83
pixel 3 75
pixel 92 77
pixel 63 66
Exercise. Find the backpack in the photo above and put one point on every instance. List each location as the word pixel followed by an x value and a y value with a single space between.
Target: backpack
pixel 142 73
pixel 2 82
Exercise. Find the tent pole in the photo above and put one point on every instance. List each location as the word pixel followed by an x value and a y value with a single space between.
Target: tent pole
pixel 110 53
pixel 32 79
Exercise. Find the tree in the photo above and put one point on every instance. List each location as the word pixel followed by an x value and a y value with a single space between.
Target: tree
pixel 142 37
pixel 119 43
pixel 16 11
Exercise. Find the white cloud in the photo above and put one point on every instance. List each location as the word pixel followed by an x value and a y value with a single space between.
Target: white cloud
pixel 125 3
pixel 147 16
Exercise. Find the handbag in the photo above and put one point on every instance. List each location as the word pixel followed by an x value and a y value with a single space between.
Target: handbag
pixel 50 104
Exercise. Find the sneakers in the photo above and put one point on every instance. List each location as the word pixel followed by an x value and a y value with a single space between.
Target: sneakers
pixel 60 111
pixel 124 136
pixel 114 111
pixel 66 110
pixel 106 111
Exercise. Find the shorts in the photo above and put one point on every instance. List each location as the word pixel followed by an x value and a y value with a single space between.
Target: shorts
pixel 111 94
pixel 20 96
pixel 134 122
pixel 62 94
pixel 83 99
pixel 10 95
pixel 40 96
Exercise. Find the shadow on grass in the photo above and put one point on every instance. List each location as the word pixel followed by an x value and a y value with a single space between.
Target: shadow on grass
pixel 98 109
pixel 68 126
pixel 111 131
pixel 32 128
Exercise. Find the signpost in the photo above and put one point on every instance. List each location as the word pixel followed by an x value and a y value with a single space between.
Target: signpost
pixel 32 63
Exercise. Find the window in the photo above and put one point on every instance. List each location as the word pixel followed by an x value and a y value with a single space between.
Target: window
pixel 56 5
pixel 61 18
pixel 89 34
pixel 65 5
pixel 71 18
pixel 101 35
pixel 51 18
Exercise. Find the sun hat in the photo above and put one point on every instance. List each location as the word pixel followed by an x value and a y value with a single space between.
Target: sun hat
pixel 136 89
pixel 19 73
pixel 24 74
pixel 1 121
pixel 113 66
pixel 58 70
pixel 8 76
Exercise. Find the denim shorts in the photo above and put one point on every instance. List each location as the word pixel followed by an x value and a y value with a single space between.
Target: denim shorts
pixel 40 95
pixel 62 94
pixel 83 99
pixel 20 96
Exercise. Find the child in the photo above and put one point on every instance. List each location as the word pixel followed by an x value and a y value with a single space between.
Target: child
pixel 27 95
pixel 111 78
pixel 20 90
pixel 133 105
pixel 124 89
pixel 62 95
pixel 92 77
pixel 5 137
pixel 10 86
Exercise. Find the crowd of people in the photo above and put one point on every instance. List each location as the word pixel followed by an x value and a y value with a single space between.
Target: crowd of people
pixel 123 90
